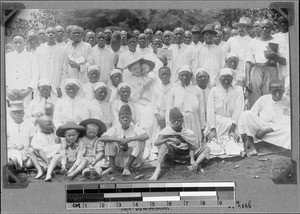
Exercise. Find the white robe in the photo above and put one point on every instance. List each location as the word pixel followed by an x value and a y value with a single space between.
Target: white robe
pixel 67 110
pixel 190 101
pixel 104 58
pixel 122 61
pixel 269 113
pixel 88 91
pixel 144 51
pixel 46 144
pixel 82 49
pixel 52 63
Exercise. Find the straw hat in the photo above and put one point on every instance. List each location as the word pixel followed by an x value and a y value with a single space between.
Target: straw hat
pixel 68 126
pixel 131 60
pixel 244 21
pixel 99 123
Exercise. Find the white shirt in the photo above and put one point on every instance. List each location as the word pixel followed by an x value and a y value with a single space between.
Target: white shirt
pixel 52 63
pixel 124 56
pixel 21 70
pixel 143 51
pixel 99 110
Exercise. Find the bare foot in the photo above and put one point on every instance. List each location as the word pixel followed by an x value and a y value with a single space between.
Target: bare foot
pixel 108 171
pixel 252 152
pixel 48 178
pixel 39 175
pixel 126 172
pixel 155 175
pixel 262 132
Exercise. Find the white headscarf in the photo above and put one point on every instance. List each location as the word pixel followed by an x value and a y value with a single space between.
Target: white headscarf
pixel 41 82
pixel 71 81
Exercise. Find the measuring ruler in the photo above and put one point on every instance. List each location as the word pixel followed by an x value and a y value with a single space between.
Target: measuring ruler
pixel 141 195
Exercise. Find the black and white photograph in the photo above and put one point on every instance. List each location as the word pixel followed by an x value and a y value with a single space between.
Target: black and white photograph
pixel 147 94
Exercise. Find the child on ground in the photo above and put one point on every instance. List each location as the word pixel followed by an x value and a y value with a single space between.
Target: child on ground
pixel 178 143
pixel 97 161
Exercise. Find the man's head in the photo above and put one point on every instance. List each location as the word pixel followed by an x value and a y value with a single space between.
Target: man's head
pixel 142 39
pixel 77 34
pixel 90 37
pixel 19 43
pixel 101 38
pixel 69 30
pixel 164 74
pixel 124 91
pixel 100 91
pixel 226 78
pixel 256 28
pixel 149 34
pixel 116 76
pixel 202 77
pixel 188 37
pixel 42 36
pixel 167 37
pixel 156 43
pixel 265 27
pixel 32 39
pixel 49 109
pixel 185 75
pixel 93 73
pixel 208 34
pixel 136 32
pixel 218 37
pixel 51 33
pixel 283 25
pixel 132 42
pixel 176 119
pixel 60 33
pixel 226 33
pixel 178 35
pixel 123 37
pixel 243 26
pixel 45 90
pixel 108 33
pixel 46 124
pixel 125 116
pixel 232 60
pixel 158 33
pixel 196 33
pixel 218 27
pixel 276 89
pixel 17 112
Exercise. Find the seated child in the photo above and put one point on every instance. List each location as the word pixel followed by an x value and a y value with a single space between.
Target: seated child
pixel 238 77
pixel 178 143
pixel 72 151
pixel 49 109
pixel 97 161
pixel 124 142
pixel 19 135
pixel 45 143
pixel 93 75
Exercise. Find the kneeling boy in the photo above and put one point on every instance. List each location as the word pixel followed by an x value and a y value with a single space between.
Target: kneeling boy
pixel 175 141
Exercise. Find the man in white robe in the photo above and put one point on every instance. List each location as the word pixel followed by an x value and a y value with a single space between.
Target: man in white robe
pixel 224 106
pixel 79 55
pixel 196 37
pixel 166 39
pixel 103 57
pixel 124 46
pixel 268 120
pixel 60 36
pixel 209 55
pixel 142 48
pixel 239 44
pixel 21 69
pixel 52 60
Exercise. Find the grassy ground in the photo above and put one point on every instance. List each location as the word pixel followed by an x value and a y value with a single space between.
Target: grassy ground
pixel 269 160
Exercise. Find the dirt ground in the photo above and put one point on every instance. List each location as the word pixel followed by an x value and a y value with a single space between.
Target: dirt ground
pixel 269 160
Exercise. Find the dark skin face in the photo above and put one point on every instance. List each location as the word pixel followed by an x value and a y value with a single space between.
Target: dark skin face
pixel 125 121
pixel 124 93
pixel 243 30
pixel 45 90
pixel 232 62
pixel 226 81
pixel 185 78
pixel 108 34
pixel 149 34
pixel 284 26
pixel 176 124
pixel 136 32
pixel 101 93
pixel 42 36
pixel 164 75
pixel 76 35
pixel 60 33
pixel 72 90
pixel 265 29
pixel 208 38
pixel 90 38
pixel 132 43
pixel 101 39
pixel 202 79
pixel 196 37
pixel 32 40
pixel 19 43
pixel 123 37
pixel 51 35
pixel 142 39
pixel 167 37
pixel 277 91
pixel 116 79
pixel 188 38
pixel 217 39
pixel 226 33
pixel 93 75
pixel 256 28
pixel 178 36
pixel 157 43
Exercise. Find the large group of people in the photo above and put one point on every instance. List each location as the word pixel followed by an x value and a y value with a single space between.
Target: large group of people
pixel 89 101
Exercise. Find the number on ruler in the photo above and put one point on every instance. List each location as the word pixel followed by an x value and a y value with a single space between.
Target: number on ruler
pixel 169 203
pixel 202 202
pixel 135 204
pixel 102 204
pixel 220 202
pixel 186 203
pixel 152 203
pixel 85 205
pixel 119 204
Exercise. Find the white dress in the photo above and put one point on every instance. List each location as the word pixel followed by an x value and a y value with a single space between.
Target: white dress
pixel 46 144
pixel 100 110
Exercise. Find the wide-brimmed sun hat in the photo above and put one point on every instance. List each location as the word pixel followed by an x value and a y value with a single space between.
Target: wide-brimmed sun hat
pixel 68 126
pixel 99 123
pixel 244 21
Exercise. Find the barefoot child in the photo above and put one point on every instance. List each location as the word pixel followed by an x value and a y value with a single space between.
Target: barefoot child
pixel 97 161
pixel 45 143
pixel 72 151
pixel 124 142
pixel 178 143
pixel 19 135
